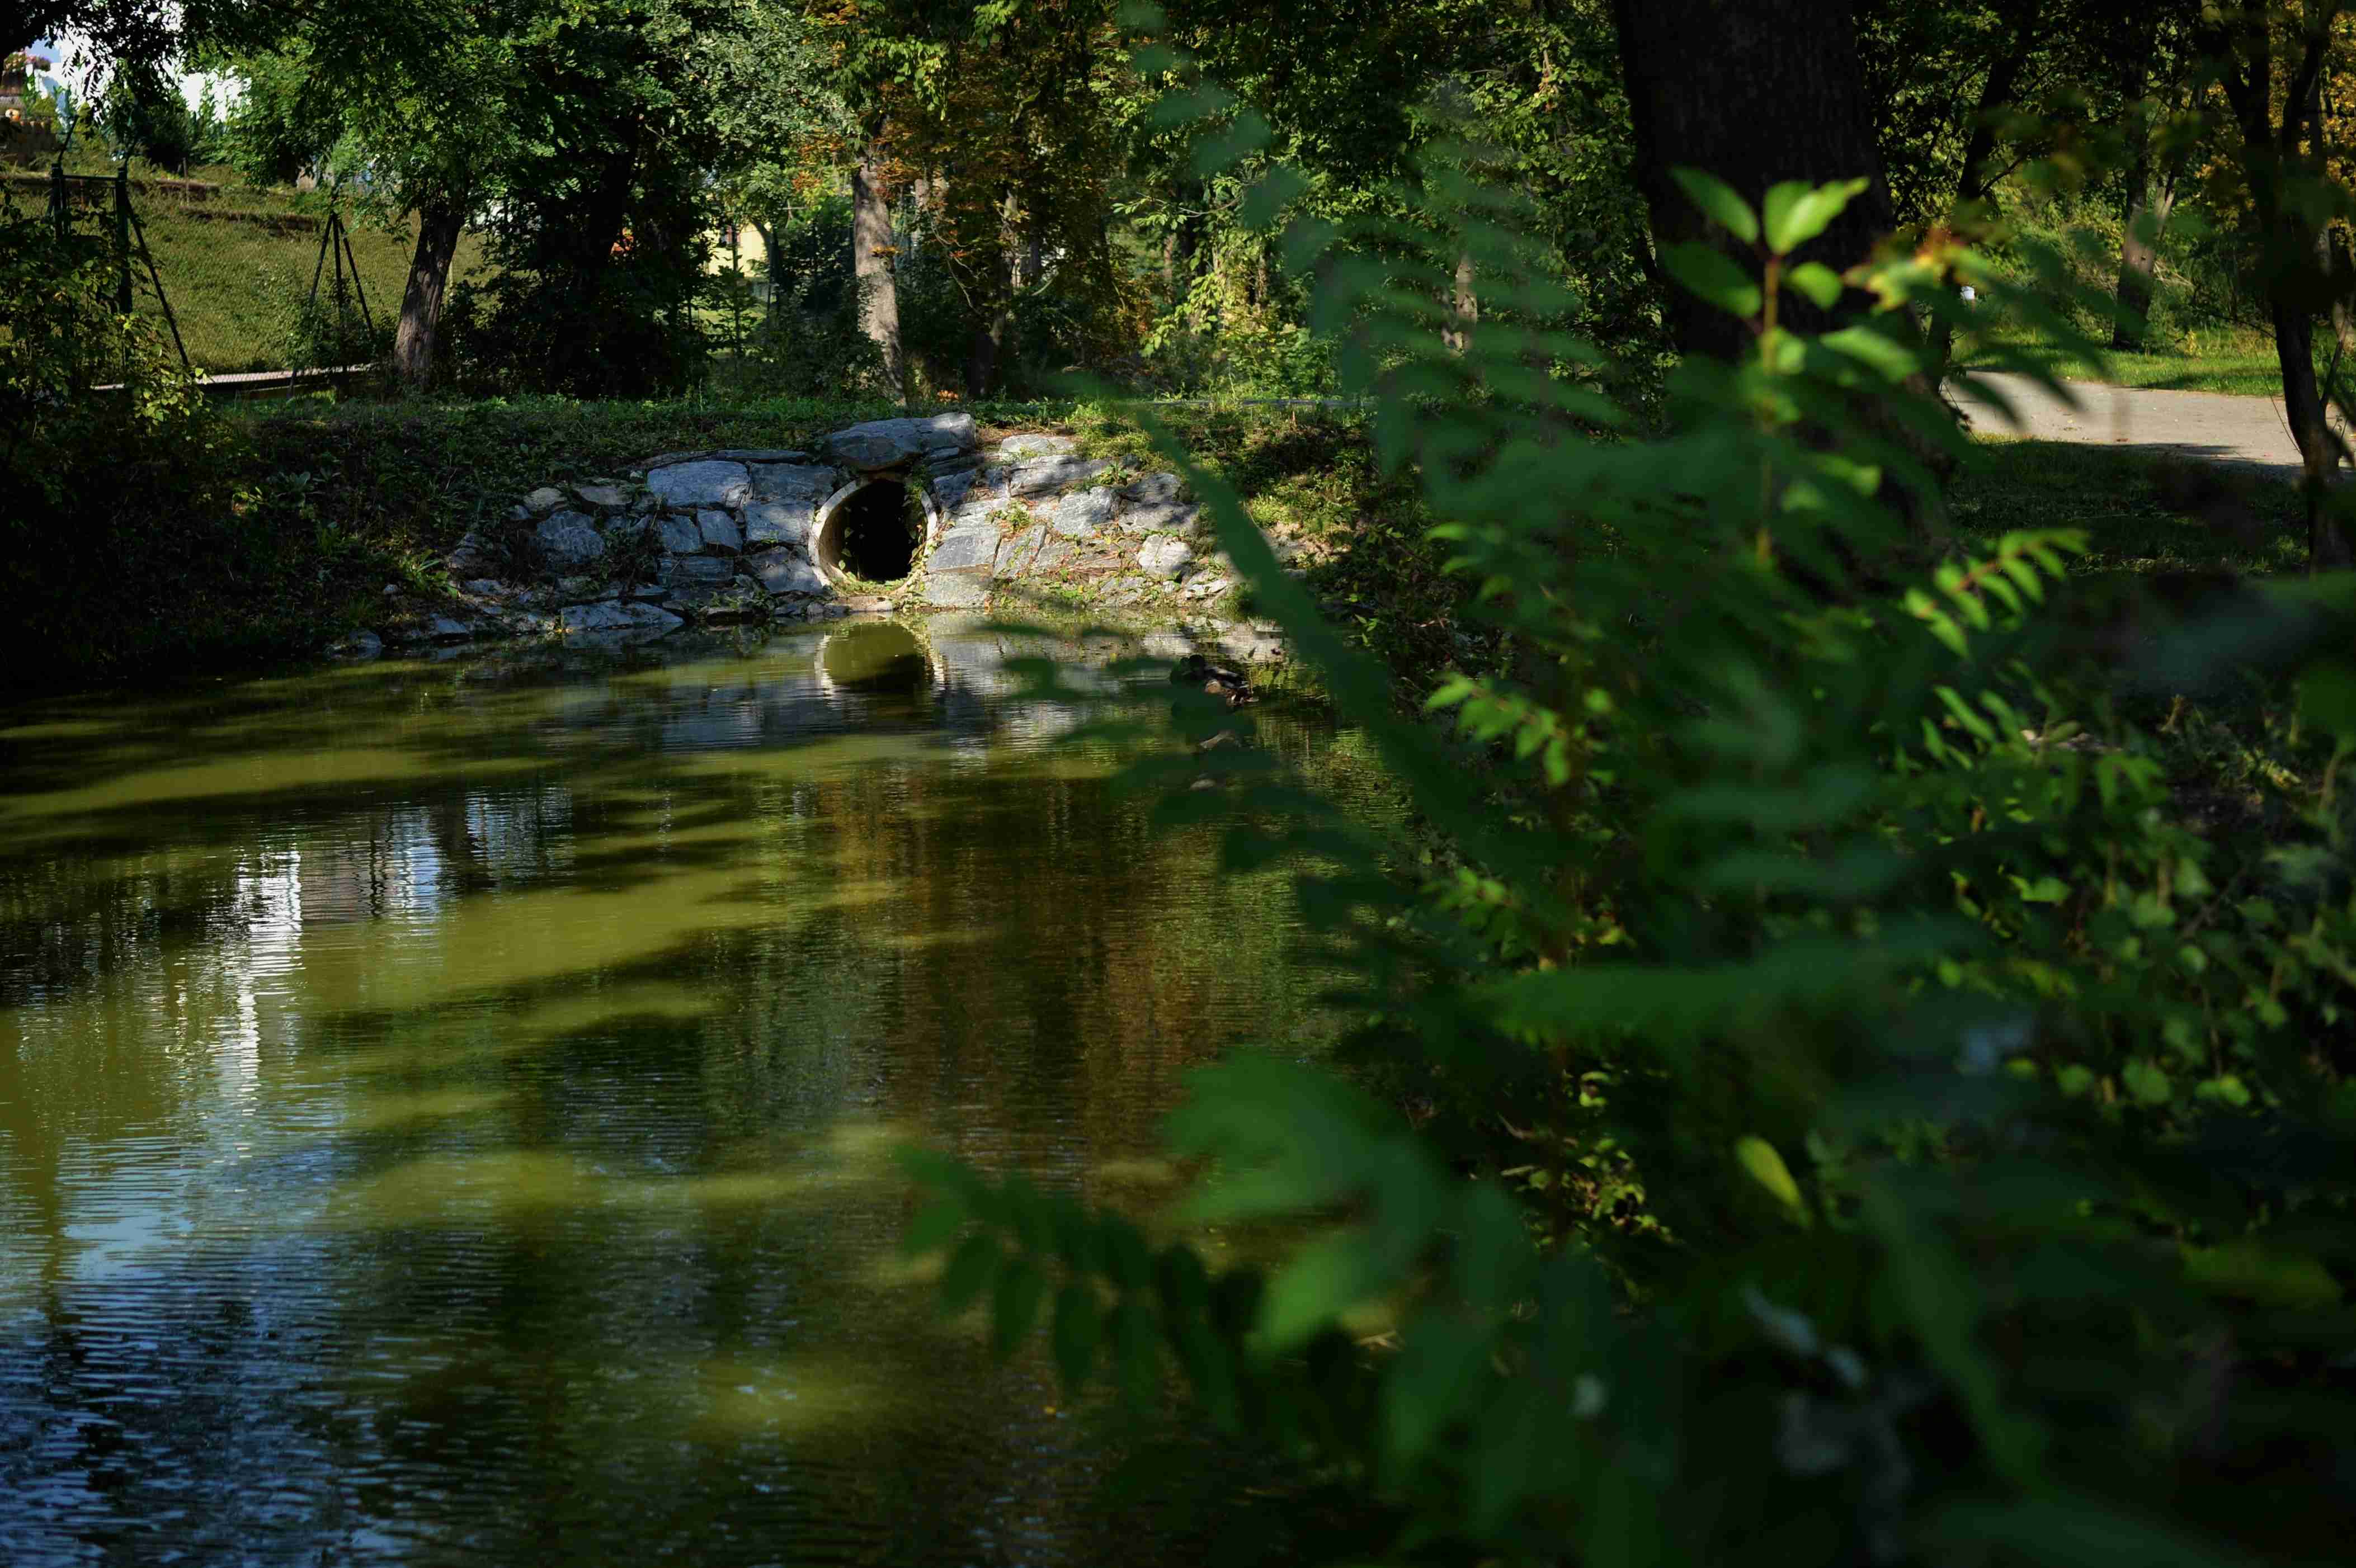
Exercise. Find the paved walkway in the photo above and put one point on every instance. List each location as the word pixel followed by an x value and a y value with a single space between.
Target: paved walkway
pixel 2214 426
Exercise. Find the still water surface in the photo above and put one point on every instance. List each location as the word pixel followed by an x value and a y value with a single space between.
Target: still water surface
pixel 445 1107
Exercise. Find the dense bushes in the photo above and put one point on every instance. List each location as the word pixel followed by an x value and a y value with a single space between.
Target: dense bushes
pixel 1862 1120
pixel 129 528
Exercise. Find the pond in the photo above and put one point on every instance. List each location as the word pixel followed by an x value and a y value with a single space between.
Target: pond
pixel 445 1107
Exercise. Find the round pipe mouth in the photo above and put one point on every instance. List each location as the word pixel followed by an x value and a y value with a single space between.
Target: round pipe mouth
pixel 863 529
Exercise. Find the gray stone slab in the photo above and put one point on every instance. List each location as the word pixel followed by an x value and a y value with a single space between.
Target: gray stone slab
pixel 568 541
pixel 580 618
pixel 1046 476
pixel 679 536
pixel 604 498
pixel 1085 514
pixel 1154 489
pixel 951 491
pixel 791 481
pixel 957 590
pixel 470 556
pixel 1160 518
pixel 1164 557
pixel 889 444
pixel 785 571
pixel 761 454
pixel 1054 550
pixel 696 572
pixel 965 548
pixel 719 529
pixel 1015 448
pixel 777 522
pixel 545 499
pixel 1016 556
pixel 709 482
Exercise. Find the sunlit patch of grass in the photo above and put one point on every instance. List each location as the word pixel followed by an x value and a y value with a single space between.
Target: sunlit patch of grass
pixel 2239 364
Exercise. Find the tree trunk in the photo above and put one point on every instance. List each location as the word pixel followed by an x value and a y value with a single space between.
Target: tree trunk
pixel 1757 95
pixel 2273 162
pixel 769 270
pixel 1465 307
pixel 2140 241
pixel 2341 268
pixel 1754 95
pixel 2139 259
pixel 439 225
pixel 872 251
pixel 1012 267
pixel 1997 90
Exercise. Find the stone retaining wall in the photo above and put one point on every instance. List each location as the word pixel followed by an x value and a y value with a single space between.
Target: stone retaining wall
pixel 753 535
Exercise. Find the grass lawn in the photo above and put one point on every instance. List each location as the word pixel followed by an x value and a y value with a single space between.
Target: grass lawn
pixel 237 267
pixel 2242 364
pixel 2142 514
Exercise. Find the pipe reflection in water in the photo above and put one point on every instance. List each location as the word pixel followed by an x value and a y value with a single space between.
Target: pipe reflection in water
pixel 445 1106
pixel 875 658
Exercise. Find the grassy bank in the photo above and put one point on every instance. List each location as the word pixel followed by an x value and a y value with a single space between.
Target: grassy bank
pixel 321 504
pixel 2240 364
pixel 334 501
pixel 237 266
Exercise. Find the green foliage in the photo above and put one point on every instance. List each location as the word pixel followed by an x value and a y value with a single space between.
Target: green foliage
pixel 1863 1119
pixel 128 531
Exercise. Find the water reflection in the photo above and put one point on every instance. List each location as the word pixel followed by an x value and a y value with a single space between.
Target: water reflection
pixel 444 1105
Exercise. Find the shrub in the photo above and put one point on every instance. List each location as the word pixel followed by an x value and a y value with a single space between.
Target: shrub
pixel 1861 1123
pixel 128 532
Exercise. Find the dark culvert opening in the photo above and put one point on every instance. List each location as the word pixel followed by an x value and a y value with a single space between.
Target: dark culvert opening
pixel 872 534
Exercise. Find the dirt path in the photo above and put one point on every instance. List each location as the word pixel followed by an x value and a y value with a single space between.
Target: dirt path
pixel 2250 431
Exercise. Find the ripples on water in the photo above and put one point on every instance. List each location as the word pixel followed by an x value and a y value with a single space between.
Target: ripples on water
pixel 444 1108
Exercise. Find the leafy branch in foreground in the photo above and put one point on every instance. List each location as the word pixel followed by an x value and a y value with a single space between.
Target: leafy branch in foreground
pixel 1991 1136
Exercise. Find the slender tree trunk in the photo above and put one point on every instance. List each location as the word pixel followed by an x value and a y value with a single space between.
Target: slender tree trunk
pixel 872 251
pixel 769 269
pixel 2140 241
pixel 439 225
pixel 1465 307
pixel 2139 259
pixel 1011 268
pixel 2341 268
pixel 1179 260
pixel 1997 90
pixel 2274 155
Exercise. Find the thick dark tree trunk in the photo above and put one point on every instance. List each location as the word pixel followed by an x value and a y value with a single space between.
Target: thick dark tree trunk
pixel 1757 95
pixel 1753 94
pixel 439 225
pixel 871 251
pixel 2276 155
